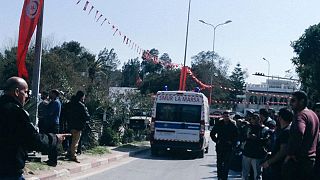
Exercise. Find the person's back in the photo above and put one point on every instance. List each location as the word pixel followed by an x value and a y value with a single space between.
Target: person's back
pixel 77 115
pixel 54 109
pixel 42 115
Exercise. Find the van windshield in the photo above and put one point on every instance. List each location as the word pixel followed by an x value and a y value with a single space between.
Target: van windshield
pixel 178 113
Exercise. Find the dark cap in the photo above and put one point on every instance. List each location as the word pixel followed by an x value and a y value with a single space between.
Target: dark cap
pixel 56 92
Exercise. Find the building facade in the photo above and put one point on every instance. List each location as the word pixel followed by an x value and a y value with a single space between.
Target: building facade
pixel 272 94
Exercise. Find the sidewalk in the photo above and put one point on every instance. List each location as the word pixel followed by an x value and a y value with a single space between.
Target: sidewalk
pixel 40 171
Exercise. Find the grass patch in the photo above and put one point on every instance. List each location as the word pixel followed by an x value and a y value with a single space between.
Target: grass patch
pixel 128 146
pixel 99 150
pixel 36 166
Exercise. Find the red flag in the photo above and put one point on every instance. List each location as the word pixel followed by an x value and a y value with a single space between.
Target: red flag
pixel 29 19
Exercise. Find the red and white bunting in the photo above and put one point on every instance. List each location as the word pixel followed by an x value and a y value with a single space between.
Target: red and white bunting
pixel 133 45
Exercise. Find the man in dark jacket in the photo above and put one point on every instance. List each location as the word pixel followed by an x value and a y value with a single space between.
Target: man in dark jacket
pixel 77 116
pixel 17 134
pixel 225 135
pixel 255 151
pixel 304 136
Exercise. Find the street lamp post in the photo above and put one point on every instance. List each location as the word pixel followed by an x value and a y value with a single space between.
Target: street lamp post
pixel 214 37
pixel 267 79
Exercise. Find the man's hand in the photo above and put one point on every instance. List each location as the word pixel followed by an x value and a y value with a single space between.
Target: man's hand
pixel 62 137
pixel 289 158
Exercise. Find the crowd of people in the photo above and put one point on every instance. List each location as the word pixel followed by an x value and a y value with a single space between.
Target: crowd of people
pixel 270 146
pixel 57 122
pixel 68 118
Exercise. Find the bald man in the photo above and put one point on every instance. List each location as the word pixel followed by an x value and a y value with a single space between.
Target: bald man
pixel 17 134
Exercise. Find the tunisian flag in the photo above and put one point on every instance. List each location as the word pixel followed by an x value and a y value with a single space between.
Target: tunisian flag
pixel 29 19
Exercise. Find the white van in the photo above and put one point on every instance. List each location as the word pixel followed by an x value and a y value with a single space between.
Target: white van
pixel 180 121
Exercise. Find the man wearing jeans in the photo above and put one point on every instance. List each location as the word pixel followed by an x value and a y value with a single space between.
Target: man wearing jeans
pixel 255 151
pixel 77 117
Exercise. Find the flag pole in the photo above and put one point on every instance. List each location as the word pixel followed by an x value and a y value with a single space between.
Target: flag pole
pixel 37 69
pixel 183 75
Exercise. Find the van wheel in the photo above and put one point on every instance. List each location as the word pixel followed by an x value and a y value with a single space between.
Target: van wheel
pixel 201 154
pixel 207 150
pixel 154 151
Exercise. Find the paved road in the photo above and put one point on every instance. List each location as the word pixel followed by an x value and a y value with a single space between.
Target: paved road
pixel 167 166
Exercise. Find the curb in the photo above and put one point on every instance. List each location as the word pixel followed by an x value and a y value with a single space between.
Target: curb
pixel 86 166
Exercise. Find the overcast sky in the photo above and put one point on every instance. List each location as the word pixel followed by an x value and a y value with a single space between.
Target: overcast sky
pixel 259 29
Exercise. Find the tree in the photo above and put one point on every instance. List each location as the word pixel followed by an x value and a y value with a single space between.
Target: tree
pixel 130 72
pixel 203 69
pixel 237 79
pixel 149 66
pixel 64 67
pixel 307 61
pixel 166 60
pixel 156 82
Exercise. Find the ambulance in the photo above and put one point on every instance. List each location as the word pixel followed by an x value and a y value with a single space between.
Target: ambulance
pixel 180 121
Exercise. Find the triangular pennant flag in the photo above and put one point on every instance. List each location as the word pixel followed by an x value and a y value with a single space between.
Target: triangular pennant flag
pixel 91 9
pixel 99 17
pixel 78 2
pixel 115 32
pixel 85 6
pixel 95 17
pixel 103 21
pixel 127 40
pixel 124 38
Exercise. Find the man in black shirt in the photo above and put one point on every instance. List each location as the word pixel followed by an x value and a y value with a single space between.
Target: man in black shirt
pixel 281 144
pixel 17 134
pixel 225 135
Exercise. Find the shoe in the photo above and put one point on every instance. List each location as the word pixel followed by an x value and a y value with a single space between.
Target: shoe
pixel 50 163
pixel 68 156
pixel 75 160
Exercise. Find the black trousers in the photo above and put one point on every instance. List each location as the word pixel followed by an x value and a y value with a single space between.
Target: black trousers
pixel 223 163
pixel 302 169
pixel 53 153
